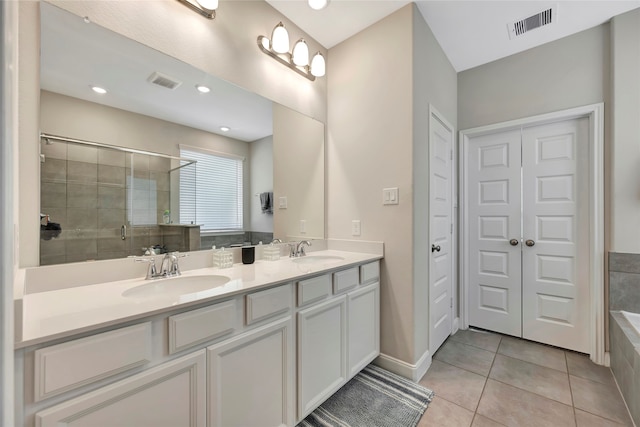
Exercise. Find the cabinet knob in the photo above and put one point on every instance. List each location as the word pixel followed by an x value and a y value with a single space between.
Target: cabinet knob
pixel 530 242
pixel 514 242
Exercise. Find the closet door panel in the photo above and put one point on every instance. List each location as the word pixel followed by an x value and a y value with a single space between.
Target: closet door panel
pixel 555 279
pixel 493 197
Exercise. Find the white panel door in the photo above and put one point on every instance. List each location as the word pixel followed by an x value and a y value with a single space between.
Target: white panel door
pixel 494 232
pixel 440 232
pixel 555 276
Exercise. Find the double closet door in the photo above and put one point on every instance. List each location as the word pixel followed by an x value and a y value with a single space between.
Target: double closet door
pixel 528 236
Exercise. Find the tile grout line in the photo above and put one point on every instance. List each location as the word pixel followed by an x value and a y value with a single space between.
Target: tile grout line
pixel 486 380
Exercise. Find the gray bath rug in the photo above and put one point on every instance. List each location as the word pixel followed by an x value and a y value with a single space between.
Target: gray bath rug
pixel 373 398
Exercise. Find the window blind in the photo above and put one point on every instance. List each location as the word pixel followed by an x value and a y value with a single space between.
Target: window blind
pixel 211 191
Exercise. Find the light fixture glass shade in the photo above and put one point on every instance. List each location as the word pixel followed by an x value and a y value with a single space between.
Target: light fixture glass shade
pixel 300 54
pixel 318 4
pixel 280 39
pixel 318 66
pixel 208 4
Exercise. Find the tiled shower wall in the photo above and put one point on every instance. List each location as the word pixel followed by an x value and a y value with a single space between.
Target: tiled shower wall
pixel 91 192
pixel 624 341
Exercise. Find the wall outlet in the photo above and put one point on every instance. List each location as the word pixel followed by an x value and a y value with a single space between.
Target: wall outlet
pixel 355 227
pixel 303 226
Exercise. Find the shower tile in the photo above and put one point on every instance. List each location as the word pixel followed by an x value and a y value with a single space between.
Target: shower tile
pixel 82 196
pixel 54 170
pixel 81 153
pixel 82 246
pixel 111 197
pixel 531 352
pixel 80 219
pixel 114 244
pixel 51 260
pixel 111 157
pixel 53 247
pixel 161 164
pixel 140 162
pixel 111 219
pixel 53 195
pixel 80 257
pixel 624 291
pixel 162 201
pixel 56 150
pixel 161 179
pixel 627 263
pixel 139 180
pixel 59 216
pixel 484 340
pixel 112 255
pixel 113 175
pixel 82 172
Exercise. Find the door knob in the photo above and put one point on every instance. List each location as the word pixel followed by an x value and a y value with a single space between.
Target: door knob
pixel 435 248
pixel 513 242
pixel 530 242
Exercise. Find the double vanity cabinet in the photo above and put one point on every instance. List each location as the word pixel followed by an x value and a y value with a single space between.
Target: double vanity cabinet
pixel 264 357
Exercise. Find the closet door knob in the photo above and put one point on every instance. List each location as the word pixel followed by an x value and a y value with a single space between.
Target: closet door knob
pixel 530 242
pixel 514 242
pixel 435 248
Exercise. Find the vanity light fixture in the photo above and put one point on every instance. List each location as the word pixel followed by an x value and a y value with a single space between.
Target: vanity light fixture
pixel 298 60
pixel 203 89
pixel 318 4
pixel 99 90
pixel 206 8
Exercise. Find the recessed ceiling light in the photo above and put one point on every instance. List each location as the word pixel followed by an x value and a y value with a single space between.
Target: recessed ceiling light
pixel 203 89
pixel 225 129
pixel 99 90
pixel 318 4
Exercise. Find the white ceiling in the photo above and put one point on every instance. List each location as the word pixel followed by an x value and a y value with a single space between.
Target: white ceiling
pixel 471 32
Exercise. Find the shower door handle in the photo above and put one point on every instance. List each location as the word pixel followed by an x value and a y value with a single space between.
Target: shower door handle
pixel 123 232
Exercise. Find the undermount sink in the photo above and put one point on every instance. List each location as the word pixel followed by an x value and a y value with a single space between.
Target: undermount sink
pixel 317 259
pixel 176 286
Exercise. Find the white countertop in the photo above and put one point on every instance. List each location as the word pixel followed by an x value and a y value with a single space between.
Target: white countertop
pixel 65 312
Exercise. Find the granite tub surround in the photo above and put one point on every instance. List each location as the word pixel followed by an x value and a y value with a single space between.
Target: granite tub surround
pixel 624 282
pixel 625 361
pixel 60 301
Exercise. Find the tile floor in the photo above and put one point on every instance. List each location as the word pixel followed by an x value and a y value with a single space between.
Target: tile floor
pixel 483 379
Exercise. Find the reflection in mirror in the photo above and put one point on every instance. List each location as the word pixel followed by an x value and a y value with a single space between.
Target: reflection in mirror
pixel 152 104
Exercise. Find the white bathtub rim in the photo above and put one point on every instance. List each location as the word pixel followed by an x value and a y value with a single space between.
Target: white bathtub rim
pixel 633 319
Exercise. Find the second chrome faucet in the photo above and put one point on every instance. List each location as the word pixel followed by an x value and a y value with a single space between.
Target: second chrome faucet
pixel 168 268
pixel 297 249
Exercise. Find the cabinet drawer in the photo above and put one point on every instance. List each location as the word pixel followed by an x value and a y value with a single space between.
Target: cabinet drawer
pixel 314 289
pixel 345 280
pixel 72 364
pixel 197 326
pixel 271 302
pixel 370 273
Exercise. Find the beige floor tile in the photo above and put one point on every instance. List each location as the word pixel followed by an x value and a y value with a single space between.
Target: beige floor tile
pixel 482 421
pixel 466 357
pixel 585 419
pixel 454 384
pixel 484 340
pixel 581 366
pixel 442 413
pixel 514 407
pixel 600 399
pixel 528 351
pixel 537 379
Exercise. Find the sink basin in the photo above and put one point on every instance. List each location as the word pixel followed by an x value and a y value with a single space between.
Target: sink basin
pixel 175 286
pixel 317 259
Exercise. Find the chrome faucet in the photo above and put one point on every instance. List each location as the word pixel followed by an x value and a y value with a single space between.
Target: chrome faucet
pixel 297 249
pixel 168 268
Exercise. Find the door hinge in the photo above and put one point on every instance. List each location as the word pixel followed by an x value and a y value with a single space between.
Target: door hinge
pixel 451 154
pixel 451 232
pixel 450 302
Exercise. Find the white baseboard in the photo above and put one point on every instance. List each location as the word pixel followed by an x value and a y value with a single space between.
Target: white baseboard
pixel 404 369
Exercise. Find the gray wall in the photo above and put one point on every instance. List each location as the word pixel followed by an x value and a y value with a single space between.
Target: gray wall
pixel 566 73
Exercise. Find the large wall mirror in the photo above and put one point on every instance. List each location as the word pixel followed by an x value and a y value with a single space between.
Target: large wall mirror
pixel 117 178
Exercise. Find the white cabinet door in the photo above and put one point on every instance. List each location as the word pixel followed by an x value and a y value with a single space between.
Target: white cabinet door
pixel 169 395
pixel 322 352
pixel 251 378
pixel 364 327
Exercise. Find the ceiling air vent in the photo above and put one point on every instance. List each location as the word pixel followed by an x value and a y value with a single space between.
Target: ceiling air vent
pixel 538 20
pixel 163 80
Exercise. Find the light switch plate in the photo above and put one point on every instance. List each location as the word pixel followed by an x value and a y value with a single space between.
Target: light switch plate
pixel 390 196
pixel 282 202
pixel 355 227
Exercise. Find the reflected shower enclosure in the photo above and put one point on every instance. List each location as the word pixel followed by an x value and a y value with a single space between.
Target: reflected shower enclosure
pixel 109 202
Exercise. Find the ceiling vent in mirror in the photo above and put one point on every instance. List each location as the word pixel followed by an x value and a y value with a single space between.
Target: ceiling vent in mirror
pixel 163 80
pixel 538 20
